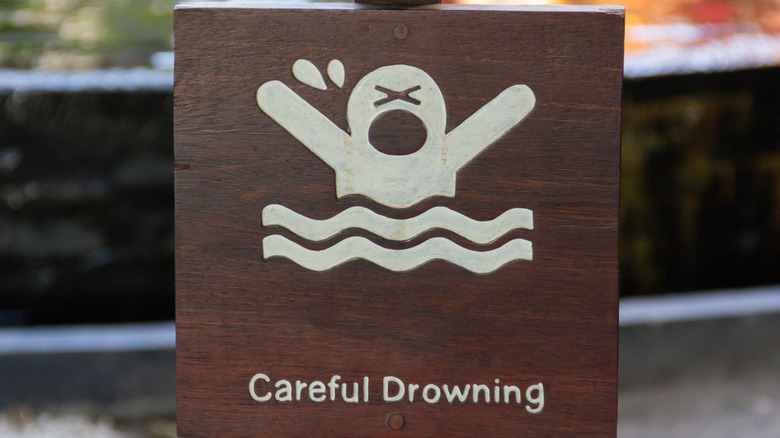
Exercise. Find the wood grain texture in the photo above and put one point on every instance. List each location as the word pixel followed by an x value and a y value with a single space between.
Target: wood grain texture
pixel 551 320
pixel 398 2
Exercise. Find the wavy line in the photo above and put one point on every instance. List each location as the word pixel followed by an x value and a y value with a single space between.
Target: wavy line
pixel 399 260
pixel 482 232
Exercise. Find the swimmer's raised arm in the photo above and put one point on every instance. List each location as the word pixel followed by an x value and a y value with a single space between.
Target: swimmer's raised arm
pixel 304 122
pixel 488 124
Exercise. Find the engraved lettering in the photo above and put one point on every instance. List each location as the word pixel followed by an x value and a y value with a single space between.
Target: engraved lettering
pixel 426 393
pixel 412 387
pixel 283 391
pixel 476 389
pixel 511 389
pixel 355 392
pixel 386 389
pixel 255 378
pixel 317 391
pixel 537 399
pixel 333 386
pixel 299 387
pixel 456 393
pixel 394 390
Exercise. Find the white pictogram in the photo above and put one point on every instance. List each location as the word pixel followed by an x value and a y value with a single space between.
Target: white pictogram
pixel 397 181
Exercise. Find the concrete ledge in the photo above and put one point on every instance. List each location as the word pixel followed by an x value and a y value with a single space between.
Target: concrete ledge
pixel 699 335
pixel 692 306
pixel 122 383
pixel 137 79
pixel 126 370
pixel 88 339
pixel 713 348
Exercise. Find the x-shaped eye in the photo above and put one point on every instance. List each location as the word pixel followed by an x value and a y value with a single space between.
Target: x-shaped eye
pixel 396 95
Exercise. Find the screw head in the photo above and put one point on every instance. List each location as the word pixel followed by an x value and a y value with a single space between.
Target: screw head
pixel 400 31
pixel 396 421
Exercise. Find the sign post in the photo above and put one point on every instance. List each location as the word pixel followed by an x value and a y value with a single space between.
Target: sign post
pixel 397 222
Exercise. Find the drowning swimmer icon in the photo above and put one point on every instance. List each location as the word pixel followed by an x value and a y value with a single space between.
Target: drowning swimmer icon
pixel 398 181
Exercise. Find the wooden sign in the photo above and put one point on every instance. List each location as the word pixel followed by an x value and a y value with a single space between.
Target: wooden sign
pixel 397 222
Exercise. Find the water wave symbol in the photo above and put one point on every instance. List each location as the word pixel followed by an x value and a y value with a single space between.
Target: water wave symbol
pixel 437 248
pixel 482 232
pixel 399 260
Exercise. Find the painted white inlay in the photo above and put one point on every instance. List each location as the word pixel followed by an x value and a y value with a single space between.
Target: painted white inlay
pixel 397 181
pixel 336 72
pixel 306 72
pixel 354 247
pixel 304 122
pixel 253 394
pixel 386 389
pixel 534 394
pixel 317 391
pixel 482 232
pixel 431 388
pixel 263 389
pixel 458 394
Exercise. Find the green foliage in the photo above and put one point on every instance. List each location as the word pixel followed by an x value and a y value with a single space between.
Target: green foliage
pixel 81 34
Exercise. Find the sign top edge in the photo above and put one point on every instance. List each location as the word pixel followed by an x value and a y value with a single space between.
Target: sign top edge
pixel 611 10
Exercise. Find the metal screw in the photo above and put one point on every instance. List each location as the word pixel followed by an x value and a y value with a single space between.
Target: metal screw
pixel 400 31
pixel 396 421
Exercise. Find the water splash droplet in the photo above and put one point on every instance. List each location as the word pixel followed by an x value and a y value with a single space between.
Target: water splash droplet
pixel 336 72
pixel 306 72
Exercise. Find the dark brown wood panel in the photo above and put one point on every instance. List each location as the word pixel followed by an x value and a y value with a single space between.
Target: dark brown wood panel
pixel 550 320
pixel 404 3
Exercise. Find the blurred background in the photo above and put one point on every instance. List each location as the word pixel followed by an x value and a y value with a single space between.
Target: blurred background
pixel 86 218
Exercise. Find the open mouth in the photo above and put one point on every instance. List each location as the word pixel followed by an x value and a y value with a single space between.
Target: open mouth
pixel 391 95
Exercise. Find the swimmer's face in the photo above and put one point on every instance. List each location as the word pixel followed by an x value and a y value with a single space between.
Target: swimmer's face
pixel 396 87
